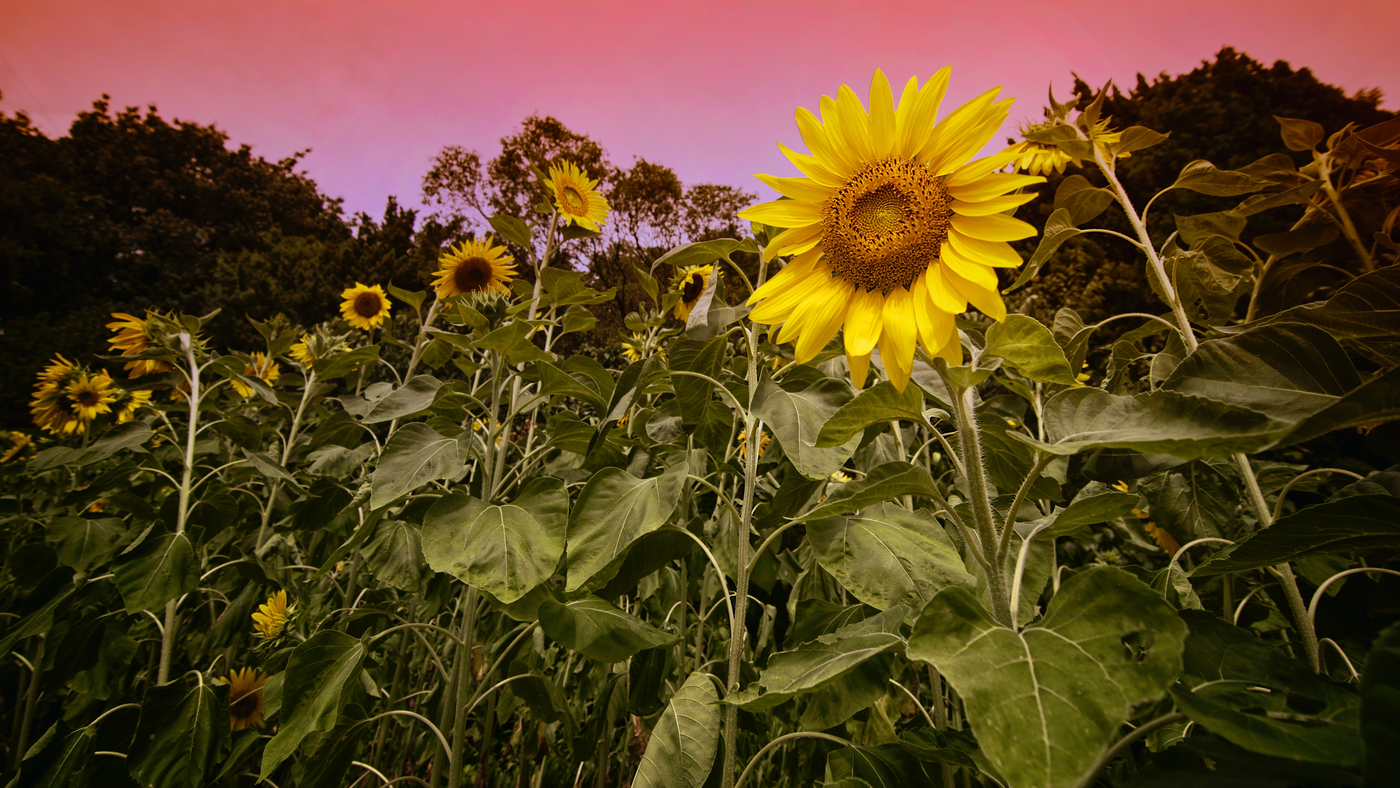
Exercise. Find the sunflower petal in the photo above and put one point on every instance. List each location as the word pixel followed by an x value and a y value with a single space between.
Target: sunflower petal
pixel 882 135
pixel 975 171
pixel 960 149
pixel 904 112
pixel 994 185
pixel 784 213
pixel 812 168
pixel 997 227
pixel 968 269
pixel 820 318
pixel 820 143
pixel 914 135
pixel 942 293
pixel 924 314
pixel 996 254
pixel 863 321
pixel 951 351
pixel 781 294
pixel 894 368
pixel 803 189
pixel 994 205
pixel 950 131
pixel 860 368
pixel 855 124
pixel 793 241
pixel 898 336
pixel 987 300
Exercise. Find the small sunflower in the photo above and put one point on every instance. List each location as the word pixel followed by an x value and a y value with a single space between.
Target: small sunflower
pixel 632 348
pixel 301 351
pixel 474 267
pixel 893 229
pixel 133 337
pixel 763 440
pixel 690 282
pixel 1159 535
pixel 576 197
pixel 364 307
pixel 128 402
pixel 20 445
pixel 271 619
pixel 1038 158
pixel 91 396
pixel 245 699
pixel 98 506
pixel 262 367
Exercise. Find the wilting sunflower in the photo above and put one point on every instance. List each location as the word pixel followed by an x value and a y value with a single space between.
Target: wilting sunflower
pixel 474 267
pixel 301 352
pixel 20 446
pixel 128 402
pixel 576 196
pixel 133 337
pixel 364 307
pixel 632 348
pixel 1038 158
pixel 245 699
pixel 271 619
pixel 262 367
pixel 690 282
pixel 91 396
pixel 893 229
pixel 763 440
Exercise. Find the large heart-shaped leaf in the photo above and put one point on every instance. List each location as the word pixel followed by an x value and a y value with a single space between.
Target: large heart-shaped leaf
pixel 182 736
pixel 158 570
pixel 322 672
pixel 1047 701
pixel 877 404
pixel 887 481
pixel 598 630
pixel 415 455
pixel 682 748
pixel 410 398
pixel 1356 523
pixel 796 419
pixel 1029 348
pixel 614 509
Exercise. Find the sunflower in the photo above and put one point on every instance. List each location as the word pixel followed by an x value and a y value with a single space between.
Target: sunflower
pixel 576 197
pixel 50 410
pixel 1038 158
pixel 128 402
pixel 133 337
pixel 632 348
pixel 893 230
pixel 262 367
pixel 474 267
pixel 271 619
pixel 690 282
pixel 301 351
pixel 20 445
pixel 763 440
pixel 245 699
pixel 91 396
pixel 59 371
pixel 364 307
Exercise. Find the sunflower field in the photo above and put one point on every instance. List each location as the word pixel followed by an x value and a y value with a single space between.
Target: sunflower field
pixel 872 525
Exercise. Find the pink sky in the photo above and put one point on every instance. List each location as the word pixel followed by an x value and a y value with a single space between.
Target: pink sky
pixel 376 88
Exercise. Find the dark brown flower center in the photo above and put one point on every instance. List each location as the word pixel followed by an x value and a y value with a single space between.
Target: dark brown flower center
pixel 472 275
pixel 883 228
pixel 573 200
pixel 88 398
pixel 368 304
pixel 693 287
pixel 247 705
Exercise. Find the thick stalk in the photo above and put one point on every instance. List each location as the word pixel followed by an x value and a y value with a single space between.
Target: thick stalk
pixel 1283 571
pixel 1368 264
pixel 463 689
pixel 167 642
pixel 31 701
pixel 979 491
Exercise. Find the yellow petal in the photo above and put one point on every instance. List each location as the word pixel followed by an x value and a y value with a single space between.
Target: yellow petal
pixel 952 128
pixel 820 143
pixel 952 351
pixel 896 367
pixel 863 321
pixel 996 254
pixel 794 241
pixel 831 119
pixel 959 149
pixel 977 170
pixel 988 301
pixel 915 133
pixel 784 213
pixel 942 293
pixel 881 116
pixel 904 111
pixel 860 369
pixel 814 169
pixel 927 317
pixel 898 337
pixel 803 189
pixel 997 227
pixel 994 205
pixel 855 124
pixel 782 294
pixel 994 185
pixel 820 318
pixel 967 269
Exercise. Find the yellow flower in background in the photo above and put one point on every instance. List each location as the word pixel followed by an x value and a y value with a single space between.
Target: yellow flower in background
pixel 301 351
pixel 763 440
pixel 245 699
pixel 474 267
pixel 91 396
pixel 576 196
pixel 1037 158
pixel 59 371
pixel 837 477
pixel 893 228
pixel 1163 539
pixel 271 619
pixel 690 282
pixel 632 348
pixel 128 402
pixel 133 337
pixel 20 445
pixel 364 307
pixel 262 367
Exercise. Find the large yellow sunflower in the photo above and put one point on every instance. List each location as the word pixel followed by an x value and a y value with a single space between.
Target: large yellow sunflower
pixel 133 337
pixel 690 282
pixel 474 267
pixel 262 367
pixel 91 396
pixel 364 307
pixel 576 196
pixel 245 699
pixel 128 402
pixel 893 229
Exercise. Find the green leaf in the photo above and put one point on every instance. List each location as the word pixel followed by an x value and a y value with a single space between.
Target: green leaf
pixel 847 694
pixel 705 358
pixel 512 229
pixel 1226 224
pixel 1374 401
pixel 705 252
pixel 182 736
pixel 887 481
pixel 128 436
pixel 1354 524
pixel 1192 503
pixel 321 673
pixel 1136 138
pixel 1084 202
pixel 1058 229
pixel 681 751
pixel 888 556
pixel 796 420
pixel 612 511
pixel 503 550
pixel 886 766
pixel 395 555
pixel 1029 347
pixel 1047 701
pixel 414 298
pixel 1297 715
pixel 555 382
pixel 48 597
pixel 1202 176
pixel 61 763
pixel 270 468
pixel 329 764
pixel 157 571
pixel 597 629
pixel 1365 314
pixel 1300 135
pixel 513 342
pixel 876 405
pixel 1083 511
pixel 84 543
pixel 929 744
pixel 406 400
pixel 339 365
pixel 415 455
pixel 1380 711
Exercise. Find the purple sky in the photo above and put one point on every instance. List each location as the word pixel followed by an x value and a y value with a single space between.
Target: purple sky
pixel 376 88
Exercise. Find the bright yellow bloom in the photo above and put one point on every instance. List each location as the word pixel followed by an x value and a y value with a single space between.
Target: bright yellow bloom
pixel 364 307
pixel 690 282
pixel 474 267
pixel 763 440
pixel 1038 158
pixel 20 445
pixel 271 618
pixel 245 699
pixel 262 367
pixel 91 396
pixel 838 477
pixel 893 228
pixel 576 197
pixel 301 352
pixel 133 337
pixel 632 348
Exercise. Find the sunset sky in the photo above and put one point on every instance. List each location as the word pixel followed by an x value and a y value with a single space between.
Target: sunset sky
pixel 374 89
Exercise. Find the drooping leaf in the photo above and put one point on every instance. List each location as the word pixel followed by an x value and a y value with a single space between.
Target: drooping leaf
pixel 1038 716
pixel 412 397
pixel 321 673
pixel 1029 348
pixel 1357 523
pixel 885 766
pixel 856 689
pixel 503 550
pixel 415 455
pixel 128 436
pixel 158 570
pixel 1192 503
pixel 887 481
pixel 58 759
pixel 1202 176
pixel 1058 229
pixel 84 543
pixel 1083 201
pixel 692 393
pixel 877 404
pixel 395 554
pixel 1101 507
pixel 612 511
pixel 682 748
pixel 796 420
pixel 182 736
pixel 598 630
pixel 1364 314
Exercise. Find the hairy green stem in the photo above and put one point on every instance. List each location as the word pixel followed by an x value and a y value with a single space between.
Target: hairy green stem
pixel 462 689
pixel 970 441
pixel 167 641
pixel 1368 264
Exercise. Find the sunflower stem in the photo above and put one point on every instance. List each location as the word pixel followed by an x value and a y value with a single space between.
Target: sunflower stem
pixel 1368 264
pixel 462 690
pixel 286 455
pixel 167 641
